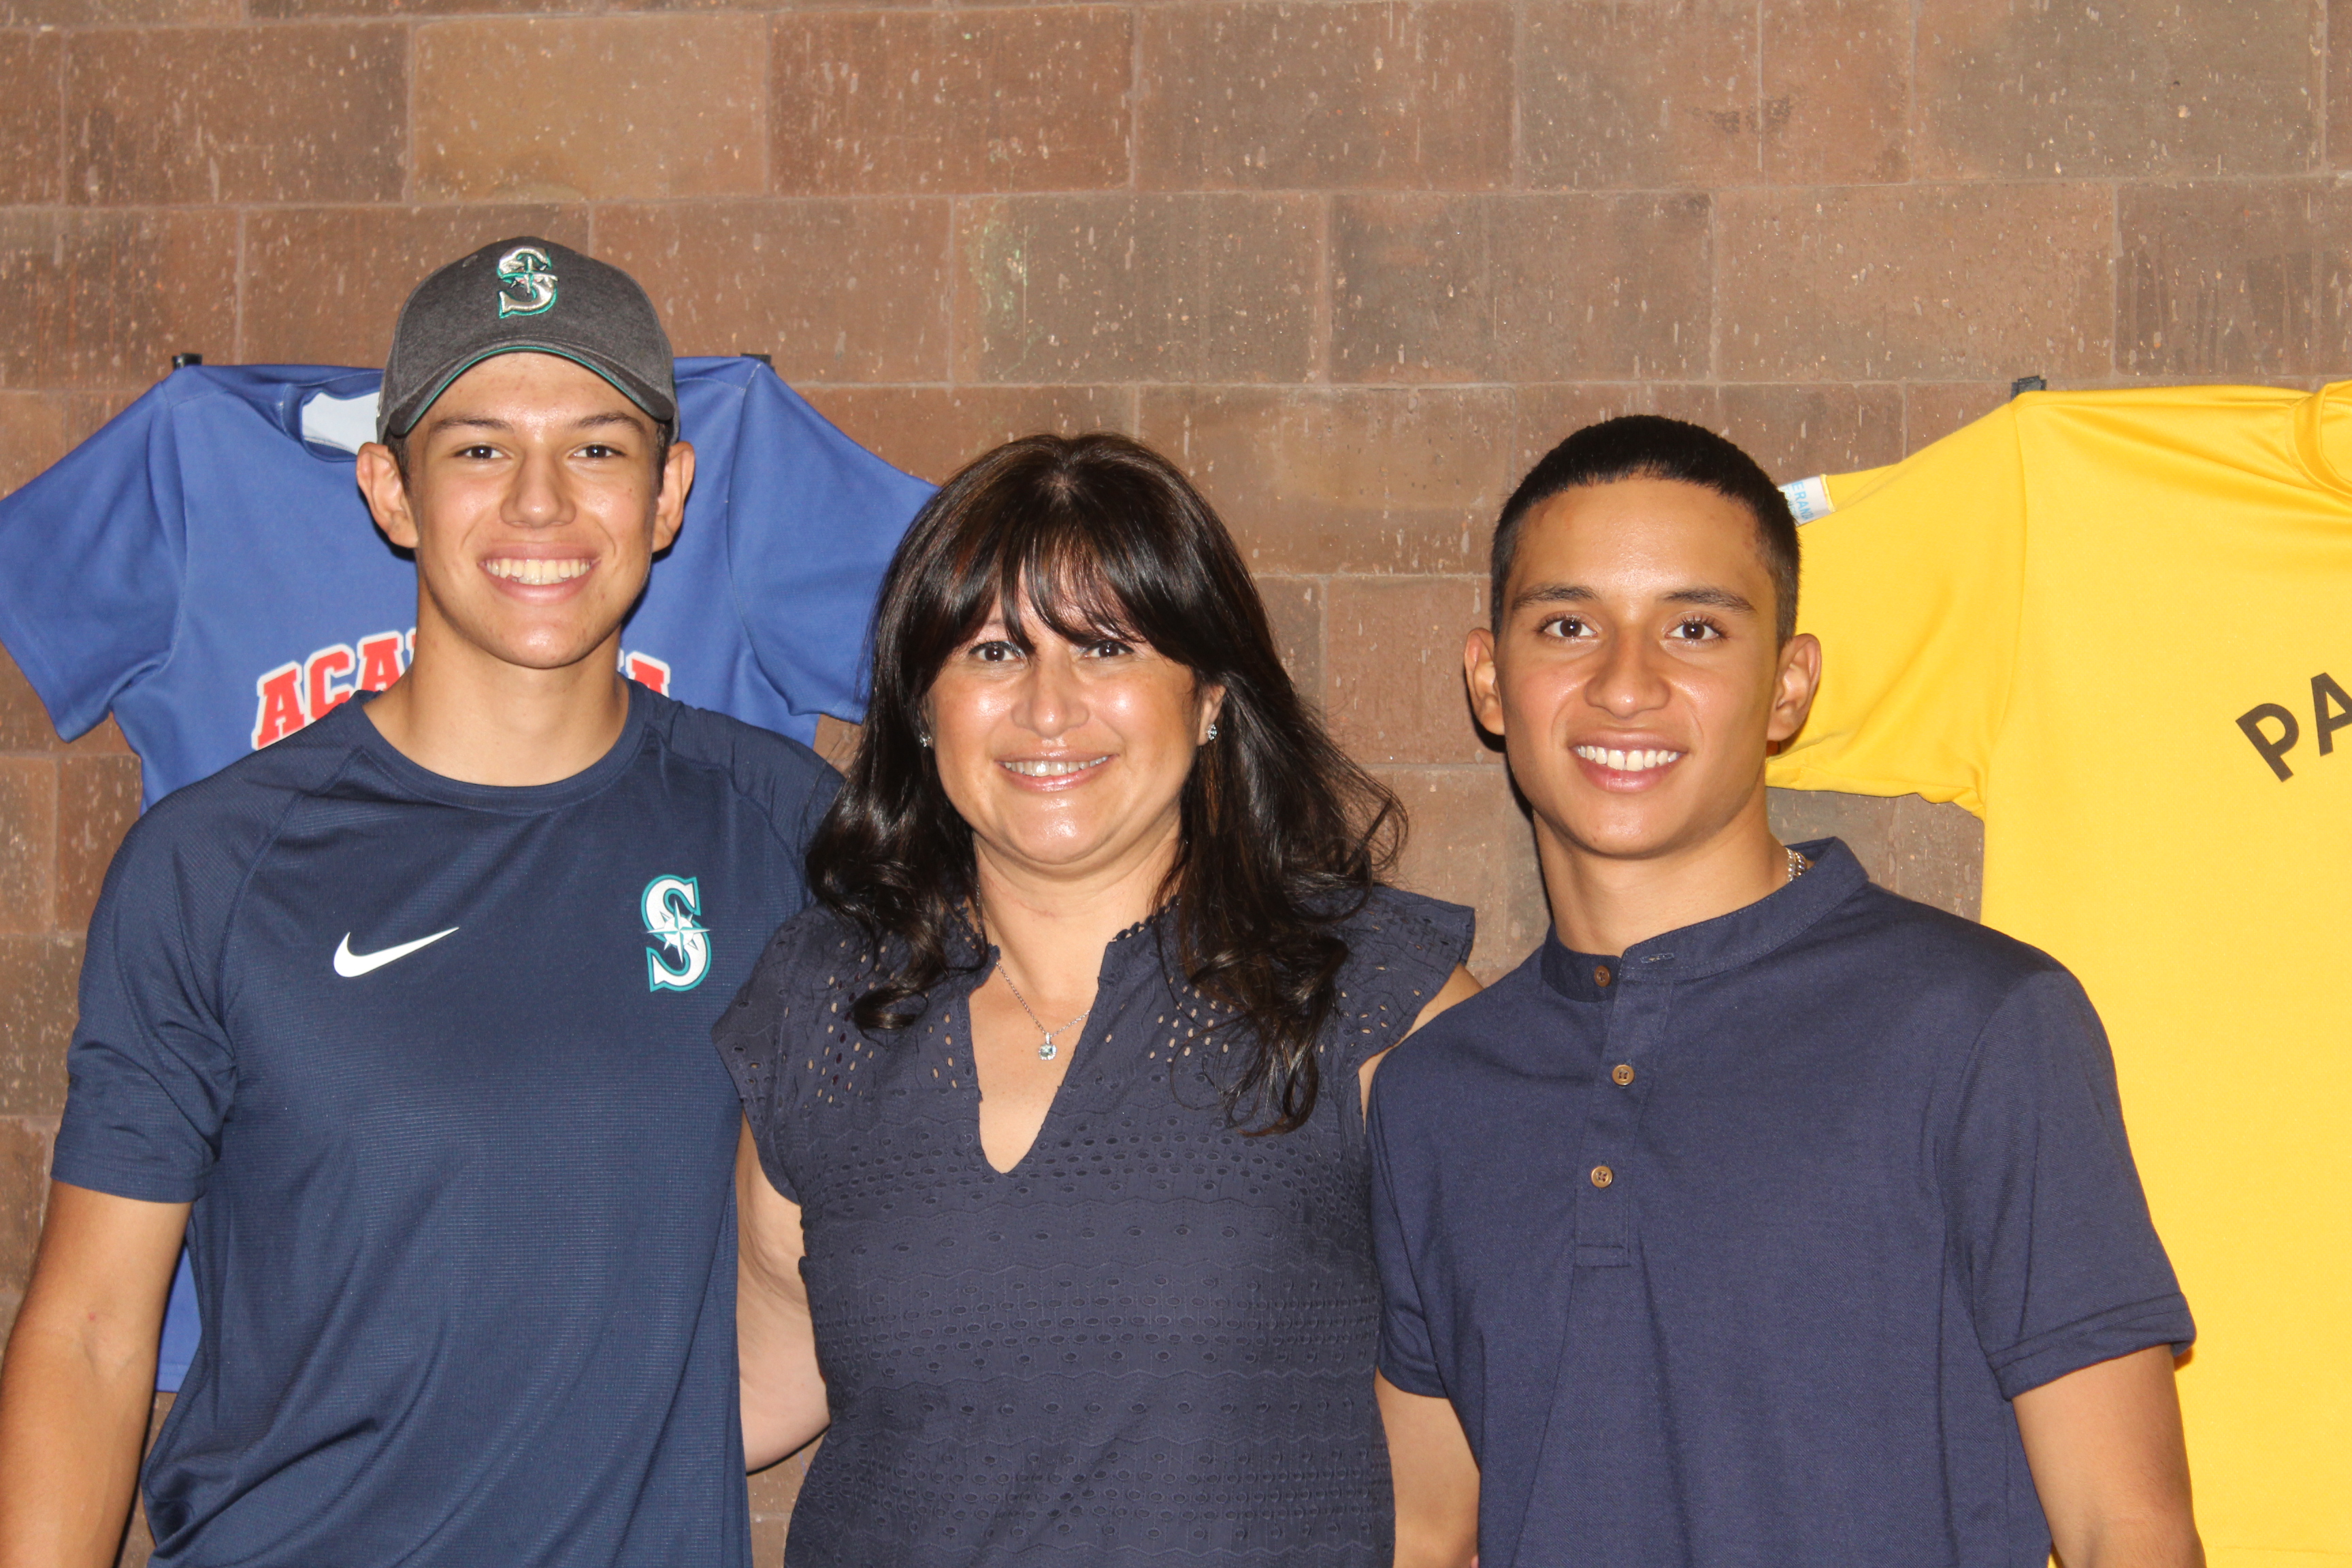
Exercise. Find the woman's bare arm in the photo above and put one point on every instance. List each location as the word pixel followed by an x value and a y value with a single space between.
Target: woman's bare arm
pixel 79 1379
pixel 782 1392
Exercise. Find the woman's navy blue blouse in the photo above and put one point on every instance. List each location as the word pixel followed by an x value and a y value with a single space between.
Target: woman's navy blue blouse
pixel 1151 1340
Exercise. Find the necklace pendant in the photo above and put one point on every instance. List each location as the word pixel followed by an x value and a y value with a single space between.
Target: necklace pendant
pixel 1049 1051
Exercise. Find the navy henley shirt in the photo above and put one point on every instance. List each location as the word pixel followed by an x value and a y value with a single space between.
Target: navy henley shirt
pixel 1735 1249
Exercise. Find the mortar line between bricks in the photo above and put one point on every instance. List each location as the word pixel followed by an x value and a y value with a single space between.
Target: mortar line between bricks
pixel 1322 641
pixel 1999 376
pixel 380 19
pixel 929 9
pixel 44 906
pixel 1135 22
pixel 65 124
pixel 953 241
pixel 1715 312
pixel 236 310
pixel 1519 170
pixel 2174 182
pixel 2114 277
pixel 1432 388
pixel 408 115
pixel 1759 89
pixel 766 143
pixel 1322 318
pixel 1911 92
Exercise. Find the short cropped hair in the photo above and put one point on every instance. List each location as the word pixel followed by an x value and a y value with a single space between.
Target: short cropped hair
pixel 1646 446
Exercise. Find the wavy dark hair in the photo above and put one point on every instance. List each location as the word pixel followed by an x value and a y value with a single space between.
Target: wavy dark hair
pixel 1281 836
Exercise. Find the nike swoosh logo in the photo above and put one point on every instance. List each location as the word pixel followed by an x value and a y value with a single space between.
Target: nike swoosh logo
pixel 351 965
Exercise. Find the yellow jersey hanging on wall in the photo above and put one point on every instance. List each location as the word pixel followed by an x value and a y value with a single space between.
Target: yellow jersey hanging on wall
pixel 2117 625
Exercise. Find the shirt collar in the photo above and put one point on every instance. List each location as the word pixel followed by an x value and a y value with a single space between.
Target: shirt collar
pixel 1711 947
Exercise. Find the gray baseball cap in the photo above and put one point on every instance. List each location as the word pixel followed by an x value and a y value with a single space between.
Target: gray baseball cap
pixel 526 295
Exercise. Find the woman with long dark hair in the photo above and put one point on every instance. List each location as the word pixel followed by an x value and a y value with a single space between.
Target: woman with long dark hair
pixel 1054 1189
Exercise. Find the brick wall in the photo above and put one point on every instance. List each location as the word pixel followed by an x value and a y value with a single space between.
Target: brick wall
pixel 1353 264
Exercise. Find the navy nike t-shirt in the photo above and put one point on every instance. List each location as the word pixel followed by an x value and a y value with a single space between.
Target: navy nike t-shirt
pixel 432 1062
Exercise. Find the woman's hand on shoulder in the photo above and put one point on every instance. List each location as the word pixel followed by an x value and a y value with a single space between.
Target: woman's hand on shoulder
pixel 1460 987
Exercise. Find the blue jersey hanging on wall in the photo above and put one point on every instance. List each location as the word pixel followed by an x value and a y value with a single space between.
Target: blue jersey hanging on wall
pixel 204 568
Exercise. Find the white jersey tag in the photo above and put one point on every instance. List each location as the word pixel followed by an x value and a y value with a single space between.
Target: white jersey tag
pixel 346 423
pixel 1809 499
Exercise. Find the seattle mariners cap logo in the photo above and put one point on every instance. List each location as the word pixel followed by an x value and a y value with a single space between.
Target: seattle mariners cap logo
pixel 602 322
pixel 525 282
pixel 680 955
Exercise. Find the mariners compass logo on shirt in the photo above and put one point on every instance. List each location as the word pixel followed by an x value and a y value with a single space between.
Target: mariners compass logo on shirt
pixel 525 282
pixel 680 955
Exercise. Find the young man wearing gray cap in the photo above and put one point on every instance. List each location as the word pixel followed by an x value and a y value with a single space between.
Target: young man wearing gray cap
pixel 403 1023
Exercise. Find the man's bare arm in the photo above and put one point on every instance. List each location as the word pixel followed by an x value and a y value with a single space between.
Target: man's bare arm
pixel 2107 1456
pixel 782 1392
pixel 80 1378
pixel 1436 1478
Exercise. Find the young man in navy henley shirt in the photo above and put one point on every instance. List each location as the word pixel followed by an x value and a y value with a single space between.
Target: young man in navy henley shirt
pixel 1761 1216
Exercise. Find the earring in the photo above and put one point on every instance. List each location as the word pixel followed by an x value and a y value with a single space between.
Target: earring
pixel 922 740
pixel 1213 729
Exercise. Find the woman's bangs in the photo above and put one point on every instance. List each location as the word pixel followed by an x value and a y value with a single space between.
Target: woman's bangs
pixel 1068 586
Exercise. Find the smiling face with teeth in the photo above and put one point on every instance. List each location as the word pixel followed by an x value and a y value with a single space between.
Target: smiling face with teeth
pixel 1636 678
pixel 534 507
pixel 1066 757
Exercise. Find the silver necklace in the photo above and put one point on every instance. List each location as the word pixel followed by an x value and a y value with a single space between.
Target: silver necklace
pixel 1046 1050
pixel 1797 866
